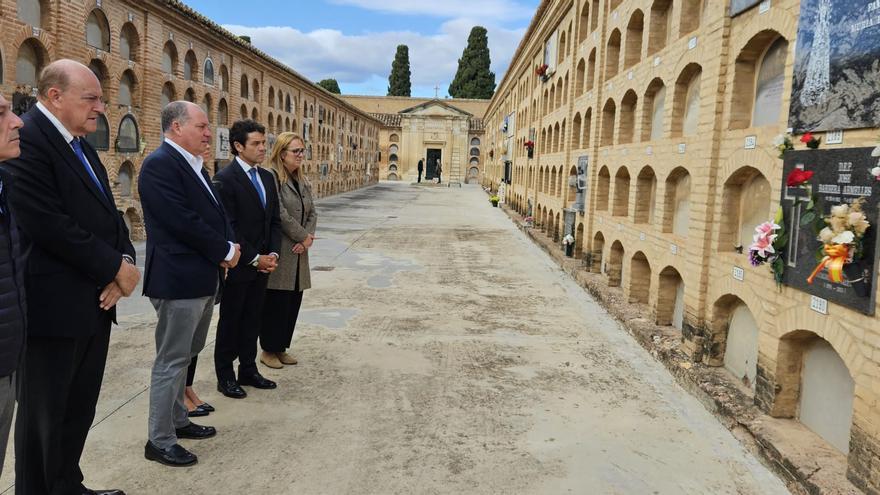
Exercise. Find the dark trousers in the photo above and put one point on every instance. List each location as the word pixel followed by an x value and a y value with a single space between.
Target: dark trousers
pixel 58 390
pixel 191 371
pixel 241 309
pixel 279 319
pixel 420 176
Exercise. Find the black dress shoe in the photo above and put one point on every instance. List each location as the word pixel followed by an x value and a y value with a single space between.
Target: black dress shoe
pixel 172 456
pixel 197 412
pixel 256 380
pixel 195 431
pixel 205 407
pixel 231 389
pixel 114 491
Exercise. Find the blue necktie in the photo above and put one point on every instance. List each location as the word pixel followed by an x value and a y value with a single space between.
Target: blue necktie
pixel 253 173
pixel 77 148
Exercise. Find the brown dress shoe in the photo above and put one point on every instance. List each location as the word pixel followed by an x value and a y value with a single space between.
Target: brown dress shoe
pixel 270 360
pixel 286 358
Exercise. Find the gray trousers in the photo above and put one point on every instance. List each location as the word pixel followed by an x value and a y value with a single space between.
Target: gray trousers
pixel 7 404
pixel 180 335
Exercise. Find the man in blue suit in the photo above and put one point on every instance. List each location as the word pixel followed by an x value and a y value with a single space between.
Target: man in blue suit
pixel 190 244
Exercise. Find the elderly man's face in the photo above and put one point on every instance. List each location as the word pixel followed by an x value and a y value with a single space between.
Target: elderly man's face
pixel 9 126
pixel 79 106
pixel 195 134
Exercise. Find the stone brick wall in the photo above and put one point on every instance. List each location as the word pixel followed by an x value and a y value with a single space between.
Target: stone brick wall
pixel 604 112
pixel 157 22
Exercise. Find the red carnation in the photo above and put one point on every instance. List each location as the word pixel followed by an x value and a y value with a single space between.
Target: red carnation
pixel 806 138
pixel 798 176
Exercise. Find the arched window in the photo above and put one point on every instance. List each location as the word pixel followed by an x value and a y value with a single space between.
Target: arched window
pixel 243 113
pixel 208 77
pixel 100 139
pixel 620 207
pixel 168 94
pixel 677 203
pixel 254 114
pixel 31 11
pixel 646 194
pixel 245 92
pixel 271 97
pixel 627 117
pixel 584 23
pixel 169 58
pixel 690 16
pixel 562 48
pixel 633 51
pixel 746 200
pixel 256 90
pixel 394 138
pixel 475 141
pixel 129 42
pixel 287 106
pixel 393 148
pixel 769 84
pixel 190 66
pixel 98 31
pixel 100 71
pixel 207 107
pixel 189 95
pixel 29 62
pixel 128 140
pixel 475 151
pixel 608 115
pixel 686 109
pixel 124 179
pixel 741 351
pixel 224 79
pixel 654 111
pixel 126 88
pixel 659 29
pixel 591 71
pixel 222 113
pixel 612 55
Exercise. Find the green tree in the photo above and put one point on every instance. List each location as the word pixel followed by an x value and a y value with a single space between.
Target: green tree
pixel 474 79
pixel 330 85
pixel 398 80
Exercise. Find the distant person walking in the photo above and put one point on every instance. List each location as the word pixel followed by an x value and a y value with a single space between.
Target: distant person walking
pixel 287 283
pixel 438 170
pixel 421 168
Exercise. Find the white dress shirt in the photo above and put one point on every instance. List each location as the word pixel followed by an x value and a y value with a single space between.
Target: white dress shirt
pixel 247 171
pixel 68 137
pixel 195 162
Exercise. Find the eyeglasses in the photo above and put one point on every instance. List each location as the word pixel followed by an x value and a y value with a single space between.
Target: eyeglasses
pixel 297 151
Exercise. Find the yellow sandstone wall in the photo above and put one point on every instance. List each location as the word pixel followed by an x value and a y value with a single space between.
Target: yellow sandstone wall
pixel 670 209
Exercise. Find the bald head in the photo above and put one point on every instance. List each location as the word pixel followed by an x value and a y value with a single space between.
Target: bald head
pixel 73 94
pixel 186 124
pixel 60 73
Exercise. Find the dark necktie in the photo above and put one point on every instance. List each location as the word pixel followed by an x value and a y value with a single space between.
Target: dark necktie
pixel 253 173
pixel 77 148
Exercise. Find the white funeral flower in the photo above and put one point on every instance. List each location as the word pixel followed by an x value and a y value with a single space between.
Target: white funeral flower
pixel 876 151
pixel 845 237
pixel 826 235
pixel 876 172
pixel 779 140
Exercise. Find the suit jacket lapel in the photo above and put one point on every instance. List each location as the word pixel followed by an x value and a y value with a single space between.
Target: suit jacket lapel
pixel 181 161
pixel 64 149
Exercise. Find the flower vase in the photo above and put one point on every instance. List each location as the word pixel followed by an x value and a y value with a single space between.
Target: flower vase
pixel 858 277
pixel 495 204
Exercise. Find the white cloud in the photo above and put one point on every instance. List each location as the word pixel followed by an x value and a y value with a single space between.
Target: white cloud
pixel 360 59
pixel 487 10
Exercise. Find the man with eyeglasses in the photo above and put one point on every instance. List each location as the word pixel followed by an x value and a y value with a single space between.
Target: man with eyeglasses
pixel 80 264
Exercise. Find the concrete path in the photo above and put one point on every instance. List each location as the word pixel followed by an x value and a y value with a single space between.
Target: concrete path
pixel 440 352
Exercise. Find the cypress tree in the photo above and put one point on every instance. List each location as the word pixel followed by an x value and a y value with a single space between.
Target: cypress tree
pixel 330 85
pixel 474 79
pixel 398 80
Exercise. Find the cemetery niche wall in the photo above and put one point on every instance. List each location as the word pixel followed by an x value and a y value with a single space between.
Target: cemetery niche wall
pixel 840 176
pixel 836 80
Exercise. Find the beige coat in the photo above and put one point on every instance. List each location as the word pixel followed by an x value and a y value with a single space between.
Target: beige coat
pixel 292 232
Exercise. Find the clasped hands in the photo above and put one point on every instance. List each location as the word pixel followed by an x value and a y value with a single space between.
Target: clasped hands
pixel 301 247
pixel 122 285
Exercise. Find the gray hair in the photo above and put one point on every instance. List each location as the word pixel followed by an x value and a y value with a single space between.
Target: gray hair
pixel 175 111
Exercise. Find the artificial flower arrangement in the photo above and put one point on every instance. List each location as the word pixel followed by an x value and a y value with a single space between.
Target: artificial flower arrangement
pixel 529 221
pixel 769 241
pixel 841 239
pixel 782 143
pixel 530 148
pixel 876 170
pixel 541 70
pixel 494 199
pixel 811 141
pixel 568 239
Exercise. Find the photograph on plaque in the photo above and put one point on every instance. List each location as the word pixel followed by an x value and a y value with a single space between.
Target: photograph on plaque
pixel 842 270
pixel 836 81
pixel 737 7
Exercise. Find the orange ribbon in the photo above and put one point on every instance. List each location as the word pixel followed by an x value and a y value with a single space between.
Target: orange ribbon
pixel 835 257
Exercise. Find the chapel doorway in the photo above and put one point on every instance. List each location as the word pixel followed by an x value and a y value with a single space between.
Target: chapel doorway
pixel 433 155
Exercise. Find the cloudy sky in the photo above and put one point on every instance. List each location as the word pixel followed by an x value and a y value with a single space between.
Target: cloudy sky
pixel 354 41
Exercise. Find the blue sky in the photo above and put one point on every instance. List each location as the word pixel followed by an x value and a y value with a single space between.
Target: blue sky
pixel 354 41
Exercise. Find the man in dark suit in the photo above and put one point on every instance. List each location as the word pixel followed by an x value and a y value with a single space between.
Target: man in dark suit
pixel 251 201
pixel 81 262
pixel 421 168
pixel 189 246
pixel 12 297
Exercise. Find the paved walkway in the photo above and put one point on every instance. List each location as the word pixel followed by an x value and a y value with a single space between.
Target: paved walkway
pixel 440 352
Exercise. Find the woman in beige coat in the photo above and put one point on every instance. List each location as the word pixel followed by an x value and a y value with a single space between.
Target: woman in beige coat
pixel 291 277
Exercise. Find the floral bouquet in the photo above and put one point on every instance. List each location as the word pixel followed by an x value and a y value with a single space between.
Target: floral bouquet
pixel 769 241
pixel 529 221
pixel 876 170
pixel 841 239
pixel 568 239
pixel 782 143
pixel 541 70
